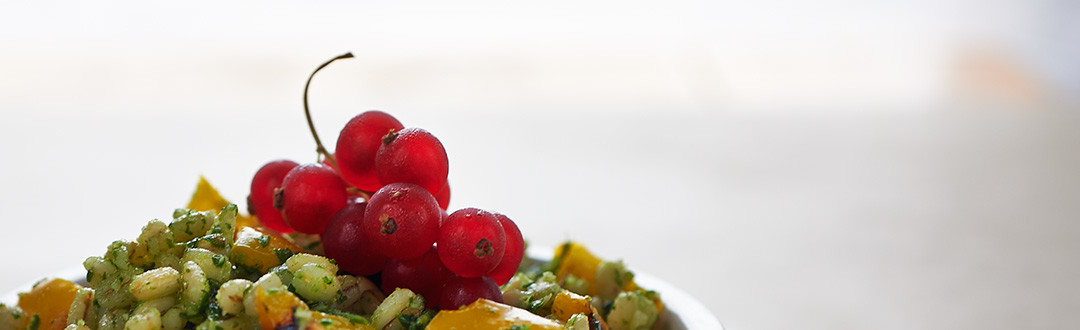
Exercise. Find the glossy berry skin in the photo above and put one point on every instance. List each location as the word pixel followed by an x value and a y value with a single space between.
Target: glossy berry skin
pixel 460 291
pixel 261 197
pixel 310 194
pixel 401 220
pixel 357 145
pixel 471 242
pixel 443 196
pixel 343 242
pixel 424 275
pixel 412 155
pixel 515 251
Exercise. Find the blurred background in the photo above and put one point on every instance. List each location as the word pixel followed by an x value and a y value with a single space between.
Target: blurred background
pixel 791 164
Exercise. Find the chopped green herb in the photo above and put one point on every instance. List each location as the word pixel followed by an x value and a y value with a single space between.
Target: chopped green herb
pixel 416 321
pixel 218 260
pixel 283 254
pixel 263 240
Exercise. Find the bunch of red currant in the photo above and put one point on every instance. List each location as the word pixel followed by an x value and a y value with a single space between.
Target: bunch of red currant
pixel 379 203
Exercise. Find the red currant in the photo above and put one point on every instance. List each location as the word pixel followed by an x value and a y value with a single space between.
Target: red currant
pixel 515 251
pixel 424 275
pixel 412 155
pixel 402 220
pixel 357 145
pixel 460 291
pixel 309 195
pixel 471 242
pixel 443 196
pixel 261 198
pixel 344 242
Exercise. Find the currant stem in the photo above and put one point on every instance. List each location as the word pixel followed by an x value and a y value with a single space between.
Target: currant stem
pixel 307 113
pixel 366 195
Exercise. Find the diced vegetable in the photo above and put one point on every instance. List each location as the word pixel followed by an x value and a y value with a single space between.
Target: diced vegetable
pixel 49 301
pixel 574 259
pixel 632 310
pixel 260 250
pixel 206 197
pixel 487 314
pixel 567 303
pixel 274 306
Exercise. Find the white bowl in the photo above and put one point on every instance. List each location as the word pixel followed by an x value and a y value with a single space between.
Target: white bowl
pixel 681 310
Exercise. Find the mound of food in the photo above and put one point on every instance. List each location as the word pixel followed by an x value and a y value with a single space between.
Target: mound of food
pixel 359 239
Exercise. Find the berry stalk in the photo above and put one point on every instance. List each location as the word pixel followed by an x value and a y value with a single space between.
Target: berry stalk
pixel 307 113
